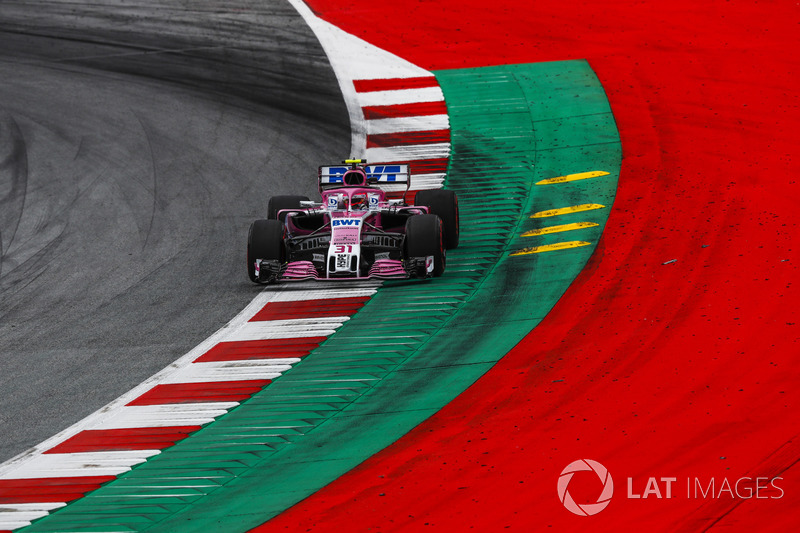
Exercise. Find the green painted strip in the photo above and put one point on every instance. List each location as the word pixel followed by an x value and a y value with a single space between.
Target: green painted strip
pixel 414 346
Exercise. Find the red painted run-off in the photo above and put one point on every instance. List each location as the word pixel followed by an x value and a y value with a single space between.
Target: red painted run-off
pixel 686 369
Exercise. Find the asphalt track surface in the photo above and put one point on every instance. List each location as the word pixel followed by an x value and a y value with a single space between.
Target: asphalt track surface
pixel 138 142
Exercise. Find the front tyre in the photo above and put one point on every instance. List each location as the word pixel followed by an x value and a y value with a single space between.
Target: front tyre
pixel 444 203
pixel 424 237
pixel 264 241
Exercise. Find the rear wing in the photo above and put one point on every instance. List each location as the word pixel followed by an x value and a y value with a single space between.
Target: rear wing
pixel 381 174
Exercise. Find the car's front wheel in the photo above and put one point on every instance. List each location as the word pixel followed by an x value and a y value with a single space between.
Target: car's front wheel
pixel 444 203
pixel 424 239
pixel 264 241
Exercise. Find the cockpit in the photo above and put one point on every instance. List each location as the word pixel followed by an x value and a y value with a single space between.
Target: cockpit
pixel 342 201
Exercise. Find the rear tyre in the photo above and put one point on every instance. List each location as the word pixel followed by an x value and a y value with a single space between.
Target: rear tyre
pixel 443 203
pixel 264 241
pixel 424 238
pixel 276 203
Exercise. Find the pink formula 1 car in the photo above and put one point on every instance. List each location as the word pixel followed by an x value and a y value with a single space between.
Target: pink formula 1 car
pixel 355 232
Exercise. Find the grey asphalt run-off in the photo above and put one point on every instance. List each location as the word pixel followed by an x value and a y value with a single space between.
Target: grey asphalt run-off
pixel 137 143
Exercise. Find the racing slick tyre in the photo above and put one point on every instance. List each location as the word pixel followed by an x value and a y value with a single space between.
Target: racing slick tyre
pixel 276 203
pixel 424 237
pixel 443 203
pixel 264 241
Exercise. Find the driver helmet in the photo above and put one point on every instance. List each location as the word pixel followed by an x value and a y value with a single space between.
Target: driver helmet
pixel 360 203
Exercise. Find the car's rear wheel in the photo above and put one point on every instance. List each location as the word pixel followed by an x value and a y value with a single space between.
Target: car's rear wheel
pixel 276 203
pixel 264 241
pixel 424 238
pixel 444 203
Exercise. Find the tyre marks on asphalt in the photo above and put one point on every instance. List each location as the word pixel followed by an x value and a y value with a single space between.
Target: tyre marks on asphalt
pixel 13 182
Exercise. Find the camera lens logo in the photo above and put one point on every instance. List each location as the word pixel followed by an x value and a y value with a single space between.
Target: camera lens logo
pixel 586 509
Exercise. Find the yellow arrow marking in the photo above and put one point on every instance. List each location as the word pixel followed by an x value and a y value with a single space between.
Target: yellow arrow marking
pixel 567 210
pixel 558 229
pixel 573 177
pixel 551 247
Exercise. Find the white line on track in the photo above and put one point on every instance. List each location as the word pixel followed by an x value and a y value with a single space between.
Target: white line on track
pixel 59 465
pixel 166 415
pixel 411 152
pixel 408 124
pixel 400 96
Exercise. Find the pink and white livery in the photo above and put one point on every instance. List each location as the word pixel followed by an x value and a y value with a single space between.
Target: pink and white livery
pixel 356 232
